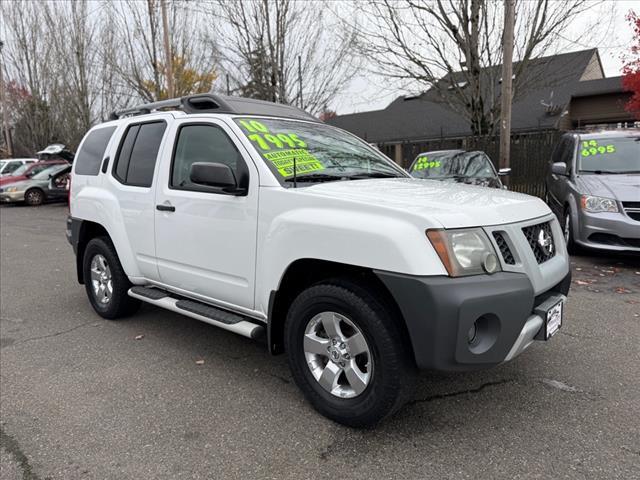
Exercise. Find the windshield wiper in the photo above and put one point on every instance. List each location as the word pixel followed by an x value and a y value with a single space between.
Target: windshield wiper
pixel 600 172
pixel 359 176
pixel 315 177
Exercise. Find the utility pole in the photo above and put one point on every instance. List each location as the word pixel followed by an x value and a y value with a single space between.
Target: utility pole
pixel 5 109
pixel 167 50
pixel 300 81
pixel 507 73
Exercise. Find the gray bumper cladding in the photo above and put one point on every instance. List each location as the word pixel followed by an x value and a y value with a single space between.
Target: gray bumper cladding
pixel 466 323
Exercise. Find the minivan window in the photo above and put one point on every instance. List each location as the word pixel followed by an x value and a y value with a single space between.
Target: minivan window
pixel 90 155
pixel 609 154
pixel 138 153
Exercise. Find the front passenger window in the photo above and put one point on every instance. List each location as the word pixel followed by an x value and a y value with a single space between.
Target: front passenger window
pixel 204 143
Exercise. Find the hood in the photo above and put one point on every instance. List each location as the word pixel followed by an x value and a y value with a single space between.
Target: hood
pixel 453 205
pixel 625 188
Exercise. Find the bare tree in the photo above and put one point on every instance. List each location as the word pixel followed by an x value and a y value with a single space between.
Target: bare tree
pixel 29 72
pixel 453 47
pixel 284 51
pixel 138 62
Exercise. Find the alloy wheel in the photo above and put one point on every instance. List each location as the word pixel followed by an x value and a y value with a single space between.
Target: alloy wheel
pixel 338 355
pixel 101 279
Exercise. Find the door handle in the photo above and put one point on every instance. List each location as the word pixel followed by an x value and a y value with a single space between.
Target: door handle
pixel 165 208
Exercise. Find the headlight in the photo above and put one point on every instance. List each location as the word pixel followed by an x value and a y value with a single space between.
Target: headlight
pixel 598 204
pixel 464 251
pixel 11 189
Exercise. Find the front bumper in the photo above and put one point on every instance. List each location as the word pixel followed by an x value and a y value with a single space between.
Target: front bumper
pixel 440 311
pixel 608 231
pixel 11 197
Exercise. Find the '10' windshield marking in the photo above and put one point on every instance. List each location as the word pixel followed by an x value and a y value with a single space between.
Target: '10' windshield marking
pixel 259 133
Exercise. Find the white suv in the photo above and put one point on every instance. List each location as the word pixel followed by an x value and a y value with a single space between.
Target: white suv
pixel 259 219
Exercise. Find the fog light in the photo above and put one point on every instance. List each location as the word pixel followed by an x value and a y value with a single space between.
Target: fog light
pixel 471 334
pixel 490 263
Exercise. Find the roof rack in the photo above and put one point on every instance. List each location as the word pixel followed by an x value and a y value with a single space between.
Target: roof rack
pixel 212 103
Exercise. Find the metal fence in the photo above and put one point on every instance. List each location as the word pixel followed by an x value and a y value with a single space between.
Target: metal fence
pixel 530 154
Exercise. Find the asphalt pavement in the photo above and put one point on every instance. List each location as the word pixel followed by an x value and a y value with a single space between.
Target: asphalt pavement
pixel 161 396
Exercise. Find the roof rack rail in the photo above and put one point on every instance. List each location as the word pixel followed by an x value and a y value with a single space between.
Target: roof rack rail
pixel 212 103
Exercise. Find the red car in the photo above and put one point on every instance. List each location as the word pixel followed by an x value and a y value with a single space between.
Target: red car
pixel 27 171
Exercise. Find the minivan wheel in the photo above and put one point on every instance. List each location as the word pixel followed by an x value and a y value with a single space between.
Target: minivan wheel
pixel 34 197
pixel 347 354
pixel 105 281
pixel 567 231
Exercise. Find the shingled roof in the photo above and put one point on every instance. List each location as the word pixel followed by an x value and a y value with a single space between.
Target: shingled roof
pixel 552 80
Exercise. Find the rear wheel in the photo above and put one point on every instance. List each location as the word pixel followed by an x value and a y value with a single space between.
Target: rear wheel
pixel 105 281
pixel 34 197
pixel 347 354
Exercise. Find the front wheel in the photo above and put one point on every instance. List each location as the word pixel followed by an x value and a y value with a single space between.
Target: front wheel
pixel 347 354
pixel 568 232
pixel 34 197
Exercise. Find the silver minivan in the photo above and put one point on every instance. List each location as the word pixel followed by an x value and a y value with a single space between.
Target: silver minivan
pixel 593 186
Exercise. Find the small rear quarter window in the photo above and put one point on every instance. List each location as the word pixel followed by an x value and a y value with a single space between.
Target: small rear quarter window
pixel 90 155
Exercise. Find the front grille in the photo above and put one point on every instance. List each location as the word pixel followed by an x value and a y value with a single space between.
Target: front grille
pixel 540 240
pixel 632 209
pixel 505 251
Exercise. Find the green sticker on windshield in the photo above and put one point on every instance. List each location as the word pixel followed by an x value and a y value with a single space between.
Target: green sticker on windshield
pixel 423 163
pixel 283 162
pixel 591 147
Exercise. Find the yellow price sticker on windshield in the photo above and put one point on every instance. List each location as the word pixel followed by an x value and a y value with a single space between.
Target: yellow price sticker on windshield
pixel 591 147
pixel 423 163
pixel 304 162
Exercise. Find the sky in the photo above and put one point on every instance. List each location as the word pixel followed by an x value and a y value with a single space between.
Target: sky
pixel 366 93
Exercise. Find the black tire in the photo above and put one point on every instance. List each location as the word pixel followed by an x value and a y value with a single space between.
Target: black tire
pixel 567 230
pixel 34 197
pixel 119 304
pixel 392 369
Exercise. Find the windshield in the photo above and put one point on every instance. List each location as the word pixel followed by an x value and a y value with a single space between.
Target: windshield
pixel 437 165
pixel 610 155
pixel 44 174
pixel 320 152
pixel 20 170
pixel 2 163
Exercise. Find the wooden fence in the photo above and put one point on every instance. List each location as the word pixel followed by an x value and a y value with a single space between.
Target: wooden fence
pixel 530 154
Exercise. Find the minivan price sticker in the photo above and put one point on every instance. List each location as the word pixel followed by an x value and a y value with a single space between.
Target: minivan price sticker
pixel 591 147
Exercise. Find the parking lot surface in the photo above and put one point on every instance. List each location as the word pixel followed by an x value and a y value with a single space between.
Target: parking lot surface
pixel 163 396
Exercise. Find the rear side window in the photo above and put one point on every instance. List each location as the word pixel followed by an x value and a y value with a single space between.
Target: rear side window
pixel 138 152
pixel 90 155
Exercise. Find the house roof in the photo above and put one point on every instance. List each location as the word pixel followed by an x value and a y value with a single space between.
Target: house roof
pixel 550 80
pixel 601 86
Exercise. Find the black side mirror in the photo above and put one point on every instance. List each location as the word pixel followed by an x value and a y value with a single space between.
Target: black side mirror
pixel 559 168
pixel 216 175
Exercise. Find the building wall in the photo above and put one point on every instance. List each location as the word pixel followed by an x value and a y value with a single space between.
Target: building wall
pixel 593 70
pixel 596 109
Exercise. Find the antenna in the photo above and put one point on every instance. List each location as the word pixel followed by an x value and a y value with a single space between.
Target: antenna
pixel 295 184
